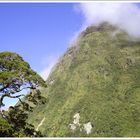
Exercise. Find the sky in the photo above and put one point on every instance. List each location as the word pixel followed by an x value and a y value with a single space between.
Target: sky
pixel 42 32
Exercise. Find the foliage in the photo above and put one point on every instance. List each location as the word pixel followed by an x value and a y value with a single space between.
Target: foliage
pixel 15 76
pixel 13 124
pixel 5 128
pixel 17 117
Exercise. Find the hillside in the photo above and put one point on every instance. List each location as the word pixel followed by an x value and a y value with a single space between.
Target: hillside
pixel 94 90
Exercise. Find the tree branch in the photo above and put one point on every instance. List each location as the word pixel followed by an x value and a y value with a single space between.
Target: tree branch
pixel 23 89
pixel 8 95
pixel 4 87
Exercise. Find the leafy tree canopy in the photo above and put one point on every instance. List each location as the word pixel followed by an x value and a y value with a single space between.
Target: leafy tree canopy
pixel 15 76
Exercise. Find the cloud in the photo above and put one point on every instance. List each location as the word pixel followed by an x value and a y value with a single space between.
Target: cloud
pixel 45 73
pixel 125 15
pixel 48 62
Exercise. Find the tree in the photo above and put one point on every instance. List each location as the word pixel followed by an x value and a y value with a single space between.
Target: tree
pixel 15 76
pixel 14 122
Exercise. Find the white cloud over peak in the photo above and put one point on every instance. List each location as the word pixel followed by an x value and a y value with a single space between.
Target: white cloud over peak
pixel 125 15
pixel 45 73
pixel 48 62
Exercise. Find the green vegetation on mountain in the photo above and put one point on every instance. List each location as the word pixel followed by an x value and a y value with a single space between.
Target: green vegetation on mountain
pixel 98 79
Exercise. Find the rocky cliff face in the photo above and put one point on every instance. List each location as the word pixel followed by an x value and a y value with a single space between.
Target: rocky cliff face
pixel 94 90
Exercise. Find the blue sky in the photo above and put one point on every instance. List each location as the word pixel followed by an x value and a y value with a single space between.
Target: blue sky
pixel 41 32
pixel 38 32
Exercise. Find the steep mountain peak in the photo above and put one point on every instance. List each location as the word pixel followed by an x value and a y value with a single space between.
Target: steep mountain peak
pixel 104 26
pixel 94 88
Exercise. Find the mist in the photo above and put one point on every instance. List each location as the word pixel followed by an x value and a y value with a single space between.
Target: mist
pixel 125 15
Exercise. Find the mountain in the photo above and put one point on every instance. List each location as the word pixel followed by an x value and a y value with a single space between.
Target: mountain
pixel 94 89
